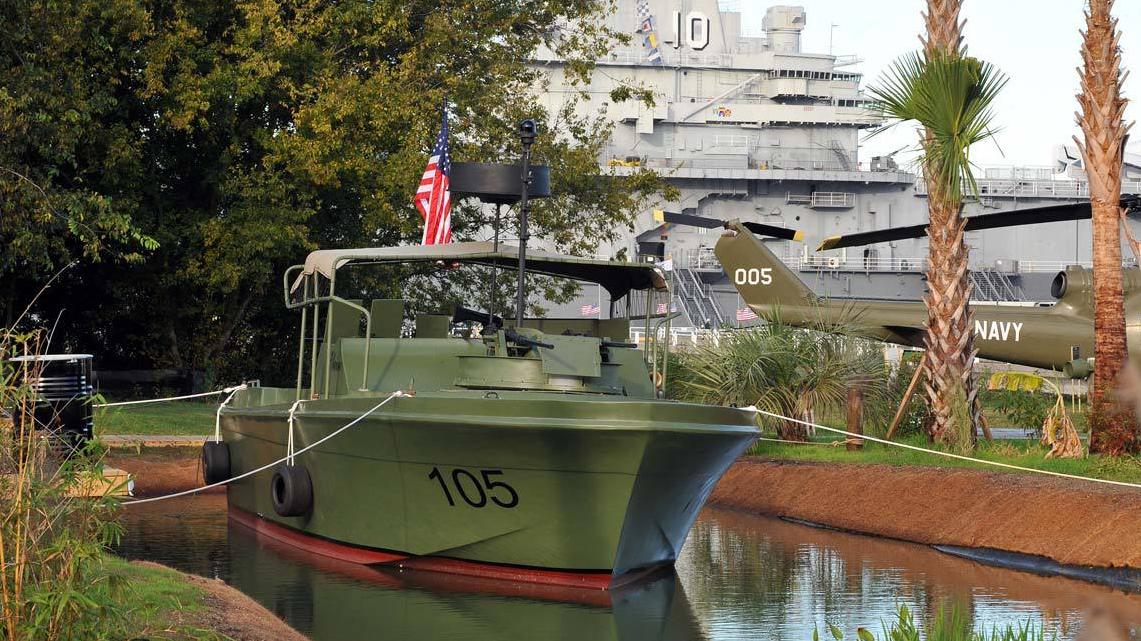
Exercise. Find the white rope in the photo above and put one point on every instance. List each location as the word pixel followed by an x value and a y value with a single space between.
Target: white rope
pixel 945 454
pixel 396 394
pixel 218 414
pixel 172 398
pixel 289 442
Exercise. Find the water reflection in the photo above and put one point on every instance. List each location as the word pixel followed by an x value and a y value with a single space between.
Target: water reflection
pixel 329 599
pixel 740 577
pixel 778 579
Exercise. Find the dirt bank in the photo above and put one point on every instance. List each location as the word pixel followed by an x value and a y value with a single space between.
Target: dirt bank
pixel 233 614
pixel 1071 522
pixel 160 470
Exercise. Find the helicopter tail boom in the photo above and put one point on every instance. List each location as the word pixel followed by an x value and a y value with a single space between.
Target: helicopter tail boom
pixel 756 271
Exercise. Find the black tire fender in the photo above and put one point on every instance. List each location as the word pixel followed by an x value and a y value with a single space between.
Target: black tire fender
pixel 291 490
pixel 215 462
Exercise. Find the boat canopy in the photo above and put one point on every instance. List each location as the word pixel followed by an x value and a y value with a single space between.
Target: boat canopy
pixel 618 278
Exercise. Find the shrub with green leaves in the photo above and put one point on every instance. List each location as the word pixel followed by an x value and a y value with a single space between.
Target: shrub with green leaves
pixel 802 374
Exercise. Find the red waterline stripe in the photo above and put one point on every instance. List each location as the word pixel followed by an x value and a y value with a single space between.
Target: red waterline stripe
pixel 312 544
pixel 367 556
pixel 397 578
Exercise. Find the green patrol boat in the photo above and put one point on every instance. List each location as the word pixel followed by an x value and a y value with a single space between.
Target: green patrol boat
pixel 536 453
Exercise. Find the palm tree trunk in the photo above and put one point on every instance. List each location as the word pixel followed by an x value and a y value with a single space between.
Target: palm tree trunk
pixel 944 29
pixel 949 338
pixel 1103 128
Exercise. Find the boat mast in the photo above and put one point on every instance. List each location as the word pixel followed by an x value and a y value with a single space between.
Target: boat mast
pixel 494 270
pixel 528 130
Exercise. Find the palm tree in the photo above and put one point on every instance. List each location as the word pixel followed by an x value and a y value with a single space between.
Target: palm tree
pixel 950 95
pixel 1104 130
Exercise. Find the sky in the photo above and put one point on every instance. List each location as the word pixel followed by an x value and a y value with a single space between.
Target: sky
pixel 1034 42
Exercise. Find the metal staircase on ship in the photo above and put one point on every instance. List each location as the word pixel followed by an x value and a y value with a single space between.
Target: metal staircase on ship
pixel 696 298
pixel 995 286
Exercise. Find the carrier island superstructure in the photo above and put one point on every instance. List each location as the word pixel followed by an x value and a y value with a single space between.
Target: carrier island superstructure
pixel 750 126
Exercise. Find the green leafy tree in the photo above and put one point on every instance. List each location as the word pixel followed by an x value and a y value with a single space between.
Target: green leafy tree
pixel 69 157
pixel 238 136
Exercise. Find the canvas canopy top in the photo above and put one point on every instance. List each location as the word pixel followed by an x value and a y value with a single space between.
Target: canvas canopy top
pixel 618 278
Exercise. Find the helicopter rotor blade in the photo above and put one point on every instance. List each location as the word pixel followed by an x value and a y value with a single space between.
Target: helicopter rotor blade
pixel 1015 218
pixel 688 220
pixel 784 233
pixel 703 222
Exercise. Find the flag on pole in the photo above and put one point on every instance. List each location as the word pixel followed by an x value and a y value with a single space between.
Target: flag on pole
pixel 591 310
pixel 434 196
pixel 647 28
pixel 746 314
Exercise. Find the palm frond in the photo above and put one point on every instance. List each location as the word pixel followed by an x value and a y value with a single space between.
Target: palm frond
pixel 952 97
pixel 782 369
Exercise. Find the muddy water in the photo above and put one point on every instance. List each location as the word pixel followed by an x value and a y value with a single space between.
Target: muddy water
pixel 739 577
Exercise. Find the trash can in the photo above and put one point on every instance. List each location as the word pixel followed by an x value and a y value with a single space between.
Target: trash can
pixel 62 387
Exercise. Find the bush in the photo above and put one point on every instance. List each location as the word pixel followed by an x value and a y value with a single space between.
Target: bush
pixel 914 419
pixel 796 373
pixel 1022 409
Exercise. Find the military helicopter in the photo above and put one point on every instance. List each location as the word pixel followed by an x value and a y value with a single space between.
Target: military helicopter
pixel 1057 335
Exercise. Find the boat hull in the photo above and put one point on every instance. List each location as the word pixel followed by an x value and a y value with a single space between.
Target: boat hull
pixel 592 489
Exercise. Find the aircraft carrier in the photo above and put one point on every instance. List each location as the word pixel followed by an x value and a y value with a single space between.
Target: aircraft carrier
pixel 750 126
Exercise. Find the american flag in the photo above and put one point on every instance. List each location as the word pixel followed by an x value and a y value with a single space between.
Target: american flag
pixel 591 310
pixel 746 314
pixel 434 196
pixel 663 307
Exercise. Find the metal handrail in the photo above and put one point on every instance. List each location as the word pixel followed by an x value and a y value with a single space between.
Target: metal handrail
pixel 307 302
pixel 824 262
pixel 706 297
pixel 833 199
pixel 1033 188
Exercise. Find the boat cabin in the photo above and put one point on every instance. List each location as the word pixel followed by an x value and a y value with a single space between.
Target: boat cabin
pixel 356 346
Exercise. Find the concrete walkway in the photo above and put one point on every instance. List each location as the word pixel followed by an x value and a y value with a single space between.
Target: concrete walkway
pixel 1012 433
pixel 153 440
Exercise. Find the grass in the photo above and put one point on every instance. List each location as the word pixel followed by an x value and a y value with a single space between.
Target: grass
pixel 176 418
pixel 1025 453
pixel 161 603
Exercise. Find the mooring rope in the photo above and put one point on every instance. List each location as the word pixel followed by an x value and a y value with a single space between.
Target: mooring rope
pixel 960 457
pixel 227 390
pixel 396 394
pixel 218 413
pixel 289 444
